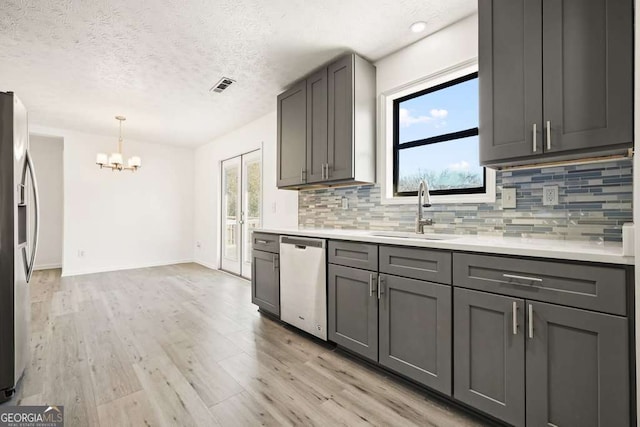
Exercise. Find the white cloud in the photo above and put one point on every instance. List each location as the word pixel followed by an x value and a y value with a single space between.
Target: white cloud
pixel 408 119
pixel 462 165
pixel 439 113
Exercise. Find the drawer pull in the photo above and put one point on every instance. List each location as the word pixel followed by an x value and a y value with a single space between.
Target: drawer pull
pixel 513 276
pixel 263 242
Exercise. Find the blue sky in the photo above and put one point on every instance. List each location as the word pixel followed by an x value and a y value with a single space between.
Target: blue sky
pixel 445 111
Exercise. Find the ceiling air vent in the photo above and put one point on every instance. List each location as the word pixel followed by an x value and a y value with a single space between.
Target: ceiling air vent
pixel 222 84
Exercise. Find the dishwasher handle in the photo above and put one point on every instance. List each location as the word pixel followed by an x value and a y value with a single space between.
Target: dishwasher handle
pixel 302 243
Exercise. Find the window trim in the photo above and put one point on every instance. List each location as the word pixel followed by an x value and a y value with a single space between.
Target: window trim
pixel 386 140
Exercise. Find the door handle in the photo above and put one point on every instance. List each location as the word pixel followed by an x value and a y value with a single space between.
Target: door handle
pixel 514 313
pixel 535 135
pixel 530 321
pixel 548 134
pixel 380 283
pixel 29 265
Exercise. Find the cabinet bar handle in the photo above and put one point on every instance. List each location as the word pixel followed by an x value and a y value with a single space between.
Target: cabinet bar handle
pixel 514 276
pixel 302 174
pixel 530 321
pixel 264 242
pixel 370 284
pixel 535 135
pixel 514 313
pixel 379 286
pixel 548 134
pixel 327 166
pixel 274 262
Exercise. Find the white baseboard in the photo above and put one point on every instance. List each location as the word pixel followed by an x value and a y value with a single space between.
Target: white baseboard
pixel 66 273
pixel 206 264
pixel 47 266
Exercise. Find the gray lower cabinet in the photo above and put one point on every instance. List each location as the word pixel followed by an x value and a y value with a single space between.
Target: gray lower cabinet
pixel 265 281
pixel 577 368
pixel 574 362
pixel 415 330
pixel 488 354
pixel 353 310
pixel 292 136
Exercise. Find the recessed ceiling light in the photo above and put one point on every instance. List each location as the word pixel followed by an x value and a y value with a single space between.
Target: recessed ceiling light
pixel 418 27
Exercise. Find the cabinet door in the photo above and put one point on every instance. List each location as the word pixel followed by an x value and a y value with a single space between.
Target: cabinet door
pixel 510 79
pixel 292 135
pixel 317 126
pixel 415 330
pixel 577 368
pixel 588 72
pixel 353 310
pixel 488 354
pixel 341 119
pixel 265 281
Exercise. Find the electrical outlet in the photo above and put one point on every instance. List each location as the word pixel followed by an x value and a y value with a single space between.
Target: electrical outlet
pixel 80 253
pixel 550 195
pixel 345 203
pixel 198 245
pixel 508 198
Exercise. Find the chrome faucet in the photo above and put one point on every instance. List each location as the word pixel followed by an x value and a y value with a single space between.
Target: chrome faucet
pixel 424 201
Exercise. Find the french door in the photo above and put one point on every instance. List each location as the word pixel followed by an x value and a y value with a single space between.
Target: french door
pixel 241 210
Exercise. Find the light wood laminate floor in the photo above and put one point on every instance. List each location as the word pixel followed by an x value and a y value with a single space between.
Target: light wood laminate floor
pixel 183 345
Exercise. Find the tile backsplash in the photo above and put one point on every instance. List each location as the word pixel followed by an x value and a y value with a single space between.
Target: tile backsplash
pixel 594 201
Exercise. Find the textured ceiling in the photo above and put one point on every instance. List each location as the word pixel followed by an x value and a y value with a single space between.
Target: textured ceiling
pixel 77 63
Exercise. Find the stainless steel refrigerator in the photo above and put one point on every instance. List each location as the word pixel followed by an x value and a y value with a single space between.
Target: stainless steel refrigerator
pixel 19 221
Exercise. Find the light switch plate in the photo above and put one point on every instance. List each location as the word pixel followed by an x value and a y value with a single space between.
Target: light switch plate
pixel 550 195
pixel 508 198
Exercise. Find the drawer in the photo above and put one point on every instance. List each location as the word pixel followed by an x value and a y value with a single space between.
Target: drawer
pixel 422 264
pixel 265 242
pixel 576 285
pixel 351 254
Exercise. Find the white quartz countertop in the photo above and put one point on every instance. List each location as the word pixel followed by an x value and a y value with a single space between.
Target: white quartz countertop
pixel 610 253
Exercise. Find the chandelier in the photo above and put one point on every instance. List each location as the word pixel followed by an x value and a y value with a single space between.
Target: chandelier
pixel 114 162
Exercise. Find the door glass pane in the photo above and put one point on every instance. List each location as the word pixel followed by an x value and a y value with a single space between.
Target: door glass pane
pixel 231 212
pixel 252 199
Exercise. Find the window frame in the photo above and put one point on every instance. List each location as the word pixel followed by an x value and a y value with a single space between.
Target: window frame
pixel 385 140
pixel 452 136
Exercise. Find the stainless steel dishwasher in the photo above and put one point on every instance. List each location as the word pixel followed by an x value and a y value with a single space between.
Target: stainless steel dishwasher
pixel 303 284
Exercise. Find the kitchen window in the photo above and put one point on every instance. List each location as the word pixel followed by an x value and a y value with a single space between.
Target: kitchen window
pixel 432 134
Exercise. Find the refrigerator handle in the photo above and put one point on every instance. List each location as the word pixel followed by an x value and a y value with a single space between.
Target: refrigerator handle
pixel 36 226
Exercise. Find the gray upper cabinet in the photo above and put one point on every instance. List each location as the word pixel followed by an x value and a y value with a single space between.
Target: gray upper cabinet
pixel 317 126
pixel 265 281
pixel 353 310
pixel 415 330
pixel 510 77
pixel 577 368
pixel 587 63
pixel 341 119
pixel 489 349
pixel 555 79
pixel 292 136
pixel 338 118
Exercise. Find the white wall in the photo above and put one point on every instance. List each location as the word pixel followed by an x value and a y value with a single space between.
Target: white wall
pixel 47 160
pixel 280 207
pixel 124 220
pixel 450 46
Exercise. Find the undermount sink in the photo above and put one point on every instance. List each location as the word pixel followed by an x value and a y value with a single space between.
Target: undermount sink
pixel 401 235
